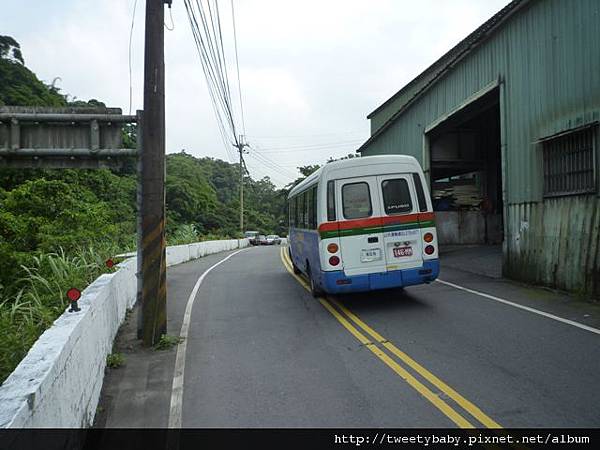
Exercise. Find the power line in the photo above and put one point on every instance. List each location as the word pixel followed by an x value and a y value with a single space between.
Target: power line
pixel 261 168
pixel 273 165
pixel 208 36
pixel 220 56
pixel 268 161
pixel 219 61
pixel 209 44
pixel 129 56
pixel 211 90
pixel 334 147
pixel 320 144
pixel 172 23
pixel 277 169
pixel 237 63
pixel 306 148
pixel 302 136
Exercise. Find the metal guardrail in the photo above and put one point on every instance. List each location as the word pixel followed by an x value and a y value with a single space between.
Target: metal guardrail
pixel 80 137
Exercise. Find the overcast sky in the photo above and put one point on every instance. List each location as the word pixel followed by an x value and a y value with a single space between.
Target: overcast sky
pixel 310 70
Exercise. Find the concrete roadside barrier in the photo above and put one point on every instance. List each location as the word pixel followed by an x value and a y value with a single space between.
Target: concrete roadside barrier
pixel 58 382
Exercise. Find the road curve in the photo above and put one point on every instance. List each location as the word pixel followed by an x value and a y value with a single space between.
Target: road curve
pixel 261 352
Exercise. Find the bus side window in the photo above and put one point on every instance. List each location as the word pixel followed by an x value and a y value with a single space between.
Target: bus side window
pixel 308 208
pixel 295 211
pixel 420 192
pixel 331 201
pixel 313 219
pixel 300 209
pixel 304 210
pixel 356 200
pixel 396 196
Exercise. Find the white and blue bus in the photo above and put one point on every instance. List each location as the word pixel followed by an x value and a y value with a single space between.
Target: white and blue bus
pixel 363 224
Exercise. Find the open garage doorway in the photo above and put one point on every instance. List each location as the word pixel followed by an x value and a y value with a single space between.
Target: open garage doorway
pixel 466 176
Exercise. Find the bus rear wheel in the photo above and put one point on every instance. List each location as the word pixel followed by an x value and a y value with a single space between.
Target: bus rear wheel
pixel 314 289
pixel 294 267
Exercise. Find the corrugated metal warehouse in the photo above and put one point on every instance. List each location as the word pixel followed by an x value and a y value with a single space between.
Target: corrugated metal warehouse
pixel 506 127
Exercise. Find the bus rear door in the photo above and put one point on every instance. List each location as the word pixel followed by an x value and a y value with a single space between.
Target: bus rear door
pixel 401 233
pixel 360 230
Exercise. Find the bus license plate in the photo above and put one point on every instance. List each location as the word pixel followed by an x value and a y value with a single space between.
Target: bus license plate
pixel 399 252
pixel 370 255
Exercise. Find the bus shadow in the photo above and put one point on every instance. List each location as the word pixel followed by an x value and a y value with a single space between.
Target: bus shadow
pixel 385 300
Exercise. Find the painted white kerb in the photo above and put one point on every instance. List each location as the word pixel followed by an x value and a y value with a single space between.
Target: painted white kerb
pixel 58 382
pixel 176 409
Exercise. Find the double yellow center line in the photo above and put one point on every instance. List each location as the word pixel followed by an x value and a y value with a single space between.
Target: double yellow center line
pixel 463 413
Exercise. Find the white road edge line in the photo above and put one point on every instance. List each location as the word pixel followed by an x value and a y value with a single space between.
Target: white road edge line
pixel 176 410
pixel 526 308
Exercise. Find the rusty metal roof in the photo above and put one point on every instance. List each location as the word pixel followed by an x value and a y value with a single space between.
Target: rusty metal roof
pixel 419 85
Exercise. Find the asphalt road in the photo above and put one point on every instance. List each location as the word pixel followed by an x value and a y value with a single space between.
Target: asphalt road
pixel 261 352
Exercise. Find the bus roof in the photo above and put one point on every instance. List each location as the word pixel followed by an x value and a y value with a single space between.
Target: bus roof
pixel 352 163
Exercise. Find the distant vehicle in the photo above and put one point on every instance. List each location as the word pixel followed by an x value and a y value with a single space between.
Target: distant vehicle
pixel 251 236
pixel 273 239
pixel 261 240
pixel 363 224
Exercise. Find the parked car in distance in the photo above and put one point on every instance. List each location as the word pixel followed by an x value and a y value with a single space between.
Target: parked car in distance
pixel 273 239
pixel 251 236
pixel 261 240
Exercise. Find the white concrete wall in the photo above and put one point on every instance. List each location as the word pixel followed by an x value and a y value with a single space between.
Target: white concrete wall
pixel 58 382
pixel 467 227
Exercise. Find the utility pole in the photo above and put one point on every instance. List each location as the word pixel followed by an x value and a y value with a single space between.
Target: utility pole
pixel 152 286
pixel 240 146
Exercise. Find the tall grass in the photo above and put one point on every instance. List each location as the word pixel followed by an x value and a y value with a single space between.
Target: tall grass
pixel 39 297
pixel 187 234
pixel 184 234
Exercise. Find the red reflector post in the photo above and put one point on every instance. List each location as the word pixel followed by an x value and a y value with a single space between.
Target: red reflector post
pixel 430 249
pixel 73 294
pixel 334 260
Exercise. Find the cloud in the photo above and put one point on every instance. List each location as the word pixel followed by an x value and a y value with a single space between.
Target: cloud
pixel 281 91
pixel 310 71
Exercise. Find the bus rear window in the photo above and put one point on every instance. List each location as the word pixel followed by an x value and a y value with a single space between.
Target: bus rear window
pixel 420 192
pixel 356 200
pixel 396 196
pixel 331 201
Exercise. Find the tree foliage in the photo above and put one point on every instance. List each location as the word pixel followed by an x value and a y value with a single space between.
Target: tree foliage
pixel 58 226
pixel 48 210
pixel 19 85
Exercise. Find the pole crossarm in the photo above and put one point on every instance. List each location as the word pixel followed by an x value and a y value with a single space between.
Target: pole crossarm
pixel 72 137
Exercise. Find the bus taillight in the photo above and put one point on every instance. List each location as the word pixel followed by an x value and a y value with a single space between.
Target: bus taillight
pixel 430 249
pixel 332 248
pixel 334 260
pixel 428 237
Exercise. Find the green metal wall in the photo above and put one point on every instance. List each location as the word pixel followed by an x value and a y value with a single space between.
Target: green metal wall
pixel 547 57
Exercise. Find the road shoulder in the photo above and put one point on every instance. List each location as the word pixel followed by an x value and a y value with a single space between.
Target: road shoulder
pixel 561 304
pixel 138 393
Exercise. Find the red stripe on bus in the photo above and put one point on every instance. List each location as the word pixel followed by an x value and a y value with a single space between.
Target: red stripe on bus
pixel 376 221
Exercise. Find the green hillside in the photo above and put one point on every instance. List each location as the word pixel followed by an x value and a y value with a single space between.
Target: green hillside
pixel 57 227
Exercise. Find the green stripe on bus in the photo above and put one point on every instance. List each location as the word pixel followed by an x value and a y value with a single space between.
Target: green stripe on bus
pixel 371 230
pixel 427 224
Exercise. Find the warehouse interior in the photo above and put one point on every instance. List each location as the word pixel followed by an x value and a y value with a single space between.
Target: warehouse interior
pixel 466 173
